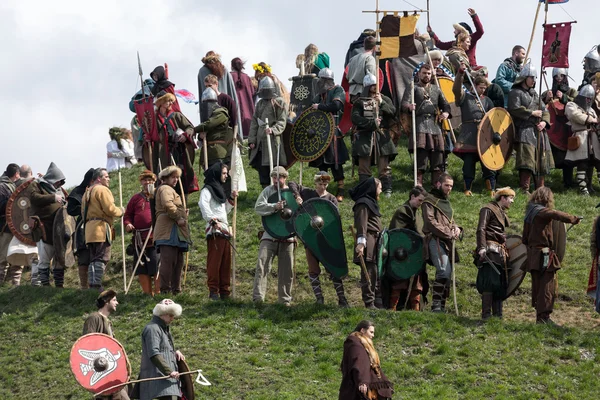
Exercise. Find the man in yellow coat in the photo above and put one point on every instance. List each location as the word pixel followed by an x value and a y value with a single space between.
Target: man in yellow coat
pixel 99 211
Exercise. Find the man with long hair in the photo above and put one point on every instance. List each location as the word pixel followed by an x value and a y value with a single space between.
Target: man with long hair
pixel 542 260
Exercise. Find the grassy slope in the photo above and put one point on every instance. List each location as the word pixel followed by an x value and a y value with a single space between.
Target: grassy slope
pixel 251 352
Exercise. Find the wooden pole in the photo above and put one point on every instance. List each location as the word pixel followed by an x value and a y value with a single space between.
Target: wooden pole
pixel 139 259
pixel 269 146
pixel 187 253
pixel 233 253
pixel 205 153
pixel 363 266
pixel 428 13
pixel 122 232
pixel 414 129
pixel 537 13
pixel 454 276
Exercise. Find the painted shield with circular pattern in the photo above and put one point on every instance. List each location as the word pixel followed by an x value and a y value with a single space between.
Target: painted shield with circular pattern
pixel 495 137
pixel 311 134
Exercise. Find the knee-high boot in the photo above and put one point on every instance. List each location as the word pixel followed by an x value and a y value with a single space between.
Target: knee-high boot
pixel 394 299
pixel 44 276
pixel 438 302
pixel 582 182
pixel 145 283
pixel 338 285
pixel 415 300
pixel 83 276
pixel 59 277
pixel 497 308
pixel 315 283
pixel 156 280
pixel 486 305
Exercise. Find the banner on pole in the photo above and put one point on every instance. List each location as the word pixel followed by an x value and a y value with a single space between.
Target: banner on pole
pixel 555 50
pixel 237 174
pixel 398 36
pixel 144 109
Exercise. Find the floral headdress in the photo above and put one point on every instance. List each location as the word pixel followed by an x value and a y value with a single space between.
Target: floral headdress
pixel 262 68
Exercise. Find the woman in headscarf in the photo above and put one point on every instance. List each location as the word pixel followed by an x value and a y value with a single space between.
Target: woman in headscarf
pixel 162 84
pixel 171 232
pixel 367 221
pixel 362 377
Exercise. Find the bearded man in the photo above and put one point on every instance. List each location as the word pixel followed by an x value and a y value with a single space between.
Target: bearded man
pixel 430 108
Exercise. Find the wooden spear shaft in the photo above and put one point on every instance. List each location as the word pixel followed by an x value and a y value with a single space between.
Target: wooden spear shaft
pixel 122 232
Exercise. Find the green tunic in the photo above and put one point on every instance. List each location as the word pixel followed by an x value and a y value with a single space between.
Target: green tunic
pixel 363 117
pixel 219 136
pixel 275 110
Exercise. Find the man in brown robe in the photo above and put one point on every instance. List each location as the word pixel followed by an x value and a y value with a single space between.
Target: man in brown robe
pixel 492 277
pixel 542 261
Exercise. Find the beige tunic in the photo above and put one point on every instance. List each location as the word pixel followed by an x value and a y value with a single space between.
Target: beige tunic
pixel 169 209
pixel 101 213
pixel 590 146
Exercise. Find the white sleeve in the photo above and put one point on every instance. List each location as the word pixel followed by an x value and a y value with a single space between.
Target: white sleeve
pixel 204 204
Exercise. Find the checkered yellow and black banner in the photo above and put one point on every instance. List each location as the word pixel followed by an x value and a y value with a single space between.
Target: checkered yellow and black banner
pixel 398 36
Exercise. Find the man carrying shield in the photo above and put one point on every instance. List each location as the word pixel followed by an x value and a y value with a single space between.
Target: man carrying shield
pixel 440 232
pixel 372 114
pixel 407 217
pixel 542 260
pixel 301 194
pixel 473 108
pixel 270 247
pixel 492 255
pixel 531 119
pixel 428 102
pixel 98 322
pixel 331 99
pixel 47 198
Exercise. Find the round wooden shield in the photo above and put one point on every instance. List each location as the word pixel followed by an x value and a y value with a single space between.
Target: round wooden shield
pixel 280 224
pixel 99 362
pixel 405 253
pixel 187 383
pixel 446 86
pixel 517 257
pixel 382 252
pixel 495 137
pixel 311 134
pixel 318 224
pixel 63 233
pixel 559 232
pixel 18 211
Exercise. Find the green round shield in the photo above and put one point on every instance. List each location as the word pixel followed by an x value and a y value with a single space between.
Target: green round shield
pixel 382 252
pixel 280 224
pixel 317 223
pixel 405 253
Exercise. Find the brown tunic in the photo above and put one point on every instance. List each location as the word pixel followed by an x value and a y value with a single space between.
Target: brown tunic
pixel 97 323
pixel 538 235
pixel 367 225
pixel 490 231
pixel 437 224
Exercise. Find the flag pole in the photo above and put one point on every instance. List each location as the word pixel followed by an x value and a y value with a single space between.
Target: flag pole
pixel 537 13
pixel 122 233
pixel 233 238
pixel 541 133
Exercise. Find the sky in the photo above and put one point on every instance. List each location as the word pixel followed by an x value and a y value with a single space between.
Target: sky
pixel 70 67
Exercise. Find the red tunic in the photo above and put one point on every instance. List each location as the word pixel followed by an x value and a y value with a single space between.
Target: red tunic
pixel 139 215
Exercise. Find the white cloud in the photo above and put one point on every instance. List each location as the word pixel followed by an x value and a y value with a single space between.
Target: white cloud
pixel 70 66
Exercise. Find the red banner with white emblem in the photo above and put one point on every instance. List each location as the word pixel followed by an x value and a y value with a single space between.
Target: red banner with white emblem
pixel 555 53
pixel 144 109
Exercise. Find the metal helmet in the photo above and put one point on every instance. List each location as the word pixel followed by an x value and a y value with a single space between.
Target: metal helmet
pixel 560 71
pixel 591 62
pixel 266 88
pixel 588 92
pixel 209 94
pixel 528 70
pixel 369 80
pixel 326 73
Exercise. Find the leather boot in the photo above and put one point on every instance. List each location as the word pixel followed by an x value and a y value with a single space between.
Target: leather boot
pixel 15 272
pixel 44 276
pixel 435 174
pixel 394 297
pixel 446 294
pixel 145 283
pixel 487 300
pixel 497 308
pixel 83 276
pixel 420 178
pixel 582 183
pixel 338 285
pixel 438 295
pixel 524 180
pixel 315 283
pixel 467 187
pixel 341 192
pixel 415 300
pixel 540 181
pixel 568 177
pixel 156 280
pixel 59 277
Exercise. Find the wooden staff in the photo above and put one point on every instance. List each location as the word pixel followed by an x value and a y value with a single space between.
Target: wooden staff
pixel 139 259
pixel 156 378
pixel 428 13
pixel 363 266
pixel 205 152
pixel 122 232
pixel 269 146
pixel 454 276
pixel 537 13
pixel 414 129
pixel 233 253
pixel 187 253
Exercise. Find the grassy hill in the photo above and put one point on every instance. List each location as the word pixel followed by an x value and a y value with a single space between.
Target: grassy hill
pixel 269 351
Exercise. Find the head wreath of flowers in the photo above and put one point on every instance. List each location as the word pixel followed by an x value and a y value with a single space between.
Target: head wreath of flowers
pixel 262 68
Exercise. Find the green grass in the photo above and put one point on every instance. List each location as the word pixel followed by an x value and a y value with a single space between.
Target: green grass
pixel 269 351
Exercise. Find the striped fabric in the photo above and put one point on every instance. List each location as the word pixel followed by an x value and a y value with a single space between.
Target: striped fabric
pixel 398 36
